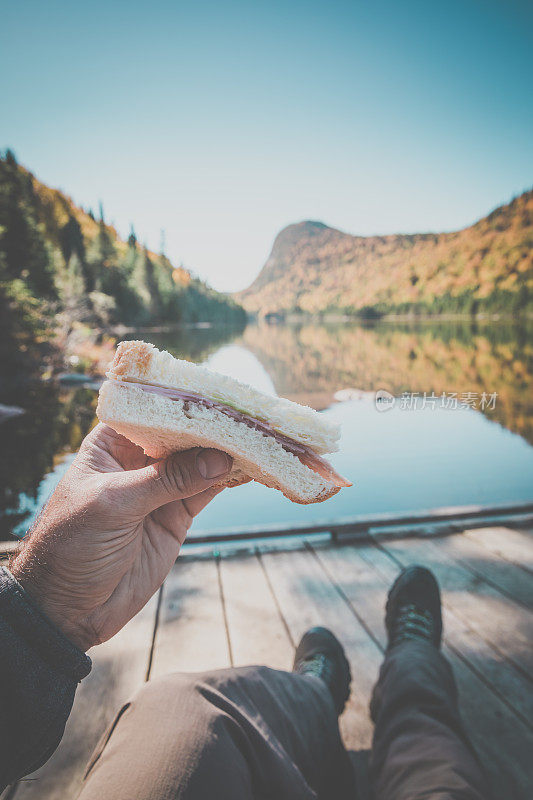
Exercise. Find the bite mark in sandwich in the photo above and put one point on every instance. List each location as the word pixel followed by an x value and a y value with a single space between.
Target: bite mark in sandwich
pixel 164 404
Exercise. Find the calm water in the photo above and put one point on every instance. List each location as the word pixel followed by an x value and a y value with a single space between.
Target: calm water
pixel 418 453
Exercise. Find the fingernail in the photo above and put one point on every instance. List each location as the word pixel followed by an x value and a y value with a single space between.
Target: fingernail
pixel 212 463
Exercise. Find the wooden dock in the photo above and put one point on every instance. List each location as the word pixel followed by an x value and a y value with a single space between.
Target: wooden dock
pixel 219 607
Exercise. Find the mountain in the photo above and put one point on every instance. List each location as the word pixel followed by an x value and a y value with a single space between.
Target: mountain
pixel 315 269
pixel 62 270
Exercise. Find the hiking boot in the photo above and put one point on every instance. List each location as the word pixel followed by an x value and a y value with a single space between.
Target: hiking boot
pixel 321 654
pixel 413 609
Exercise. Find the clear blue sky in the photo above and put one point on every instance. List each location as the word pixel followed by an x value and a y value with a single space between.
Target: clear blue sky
pixel 221 122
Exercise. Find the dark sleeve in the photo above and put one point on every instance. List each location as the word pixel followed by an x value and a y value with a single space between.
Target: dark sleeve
pixel 39 672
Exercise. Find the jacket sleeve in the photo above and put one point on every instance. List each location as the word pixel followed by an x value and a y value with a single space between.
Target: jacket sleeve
pixel 39 672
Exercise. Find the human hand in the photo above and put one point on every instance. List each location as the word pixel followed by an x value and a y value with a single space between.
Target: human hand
pixel 111 531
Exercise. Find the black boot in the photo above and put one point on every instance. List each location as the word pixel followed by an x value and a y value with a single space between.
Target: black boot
pixel 413 609
pixel 321 654
pixel 412 614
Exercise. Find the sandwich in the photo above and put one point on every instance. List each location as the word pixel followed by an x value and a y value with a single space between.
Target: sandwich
pixel 165 405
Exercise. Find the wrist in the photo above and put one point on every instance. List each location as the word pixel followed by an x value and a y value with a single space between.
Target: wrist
pixel 57 613
pixel 31 632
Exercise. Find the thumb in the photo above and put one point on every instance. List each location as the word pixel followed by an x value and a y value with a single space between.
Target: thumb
pixel 181 475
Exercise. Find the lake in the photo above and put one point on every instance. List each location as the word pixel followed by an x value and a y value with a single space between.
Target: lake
pixel 454 425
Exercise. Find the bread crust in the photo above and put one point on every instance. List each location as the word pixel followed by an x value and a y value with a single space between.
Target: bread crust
pixel 142 362
pixel 323 495
pixel 162 426
pixel 132 358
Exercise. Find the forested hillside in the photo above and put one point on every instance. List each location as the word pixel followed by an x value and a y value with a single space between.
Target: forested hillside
pixel 487 267
pixel 61 266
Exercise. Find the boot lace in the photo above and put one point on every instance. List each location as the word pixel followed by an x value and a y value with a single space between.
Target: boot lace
pixel 413 623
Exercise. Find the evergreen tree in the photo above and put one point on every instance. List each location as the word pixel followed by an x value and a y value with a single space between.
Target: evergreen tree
pixel 72 244
pixel 101 258
pixel 25 252
pixel 75 300
pixel 171 294
pixel 147 286
pixel 132 238
pixel 129 261
pixel 23 327
pixel 71 239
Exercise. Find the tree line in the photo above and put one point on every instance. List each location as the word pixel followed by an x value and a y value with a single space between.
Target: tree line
pixel 50 266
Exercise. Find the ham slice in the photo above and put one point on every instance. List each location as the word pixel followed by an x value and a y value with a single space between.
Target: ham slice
pixel 306 455
pixel 323 468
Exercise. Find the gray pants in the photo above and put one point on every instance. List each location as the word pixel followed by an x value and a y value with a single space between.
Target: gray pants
pixel 255 733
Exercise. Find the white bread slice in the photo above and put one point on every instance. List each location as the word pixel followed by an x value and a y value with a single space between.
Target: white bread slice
pixel 162 426
pixel 140 361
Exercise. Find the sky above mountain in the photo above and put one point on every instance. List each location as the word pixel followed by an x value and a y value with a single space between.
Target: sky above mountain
pixel 222 122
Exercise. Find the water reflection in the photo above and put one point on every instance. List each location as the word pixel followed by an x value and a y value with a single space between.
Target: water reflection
pixel 193 343
pixel 54 422
pixel 309 363
pixel 56 419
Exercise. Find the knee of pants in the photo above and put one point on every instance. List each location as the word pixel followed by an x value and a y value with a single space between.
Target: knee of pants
pixel 191 689
pixel 171 712
pixel 171 734
pixel 192 705
pixel 174 701
pixel 166 687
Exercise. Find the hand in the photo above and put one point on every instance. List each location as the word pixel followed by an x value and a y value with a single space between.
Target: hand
pixel 111 532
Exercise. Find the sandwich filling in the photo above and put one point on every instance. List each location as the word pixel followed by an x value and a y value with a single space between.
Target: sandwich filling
pixel 306 455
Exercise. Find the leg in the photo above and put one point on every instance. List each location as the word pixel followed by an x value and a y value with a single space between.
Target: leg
pixel 420 749
pixel 240 733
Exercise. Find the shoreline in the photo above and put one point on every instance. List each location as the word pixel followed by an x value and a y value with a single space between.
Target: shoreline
pixel 322 318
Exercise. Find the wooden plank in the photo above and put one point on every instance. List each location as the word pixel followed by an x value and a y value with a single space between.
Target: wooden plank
pixel 510 544
pixel 119 669
pixel 502 739
pixel 511 686
pixel 501 676
pixel 307 597
pixel 488 720
pixel 256 631
pixel 364 589
pixel 191 636
pixel 506 626
pixel 516 583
